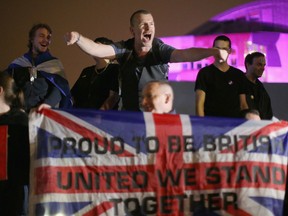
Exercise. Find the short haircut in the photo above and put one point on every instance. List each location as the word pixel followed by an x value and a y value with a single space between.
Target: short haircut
pixel 249 58
pixel 160 83
pixel 223 38
pixel 141 11
pixel 103 40
pixel 33 31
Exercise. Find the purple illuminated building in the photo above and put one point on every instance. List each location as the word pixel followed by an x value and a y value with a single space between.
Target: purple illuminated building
pixel 257 26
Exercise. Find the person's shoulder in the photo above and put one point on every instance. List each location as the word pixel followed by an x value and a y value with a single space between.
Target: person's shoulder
pixel 88 69
pixel 15 116
pixel 234 69
pixel 259 83
pixel 124 43
pixel 17 62
pixel 157 41
pixel 207 69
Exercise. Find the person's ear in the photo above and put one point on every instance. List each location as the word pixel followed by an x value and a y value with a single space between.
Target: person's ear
pixel 1 90
pixel 167 98
pixel 230 51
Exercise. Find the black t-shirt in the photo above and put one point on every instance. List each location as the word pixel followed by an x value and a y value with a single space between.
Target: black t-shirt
pixel 135 72
pixel 12 190
pixel 92 89
pixel 258 98
pixel 222 90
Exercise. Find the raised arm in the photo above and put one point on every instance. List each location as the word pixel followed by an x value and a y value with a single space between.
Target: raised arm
pixel 89 46
pixel 196 54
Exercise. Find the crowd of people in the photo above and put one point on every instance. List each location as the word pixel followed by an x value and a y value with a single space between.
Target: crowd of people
pixel 132 74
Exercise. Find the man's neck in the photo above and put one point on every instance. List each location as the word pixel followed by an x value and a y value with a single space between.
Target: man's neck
pixel 141 51
pixel 223 66
pixel 251 77
pixel 4 108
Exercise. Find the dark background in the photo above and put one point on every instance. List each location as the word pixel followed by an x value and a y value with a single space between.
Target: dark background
pixel 95 18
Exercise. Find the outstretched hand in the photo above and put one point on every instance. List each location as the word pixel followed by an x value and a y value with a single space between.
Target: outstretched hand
pixel 71 37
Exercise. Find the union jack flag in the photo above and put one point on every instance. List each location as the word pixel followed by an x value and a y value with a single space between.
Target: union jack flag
pixel 88 163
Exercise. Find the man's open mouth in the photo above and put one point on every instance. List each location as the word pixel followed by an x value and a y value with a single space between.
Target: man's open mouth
pixel 147 36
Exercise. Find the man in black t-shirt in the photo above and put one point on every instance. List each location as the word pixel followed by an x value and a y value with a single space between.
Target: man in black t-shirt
pixel 257 96
pixel 219 87
pixel 97 87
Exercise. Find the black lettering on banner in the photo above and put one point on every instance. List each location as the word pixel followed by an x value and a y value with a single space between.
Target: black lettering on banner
pixel 132 206
pixel 180 198
pixel 214 201
pixel 138 145
pixel 259 172
pixel 213 175
pixel 108 176
pixel 97 180
pixel 278 175
pixel 189 144
pixel 189 176
pixel 80 180
pixel 85 142
pixel 227 170
pixel 61 184
pixel 196 202
pixel 174 144
pixel 123 180
pixel 151 142
pixel 244 139
pixel 209 143
pixel 140 179
pixel 229 198
pixel 149 205
pixel 114 145
pixel 115 205
pixel 165 205
pixel 224 142
pixel 243 174
pixel 69 145
pixel 254 141
pixel 98 149
pixel 54 143
pixel 168 176
pixel 235 143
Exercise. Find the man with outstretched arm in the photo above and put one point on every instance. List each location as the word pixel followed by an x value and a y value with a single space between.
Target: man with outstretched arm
pixel 142 58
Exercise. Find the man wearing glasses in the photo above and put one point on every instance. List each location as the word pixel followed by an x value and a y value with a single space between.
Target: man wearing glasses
pixel 219 87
